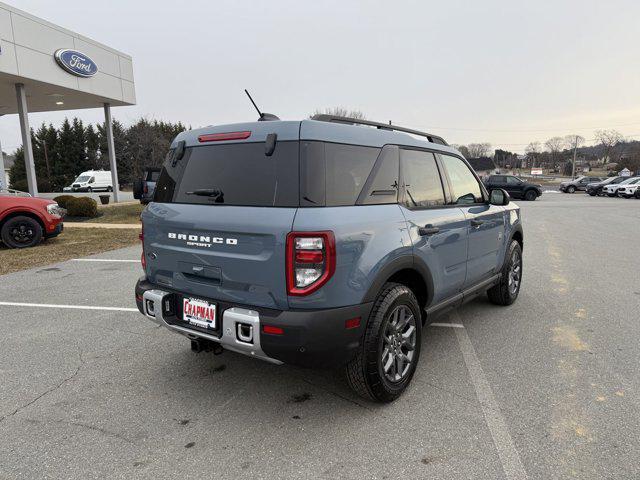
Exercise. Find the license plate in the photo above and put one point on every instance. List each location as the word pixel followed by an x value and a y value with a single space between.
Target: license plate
pixel 199 312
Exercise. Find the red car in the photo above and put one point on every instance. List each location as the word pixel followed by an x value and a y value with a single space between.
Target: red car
pixel 25 221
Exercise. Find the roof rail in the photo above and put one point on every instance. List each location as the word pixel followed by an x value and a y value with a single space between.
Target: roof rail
pixel 382 126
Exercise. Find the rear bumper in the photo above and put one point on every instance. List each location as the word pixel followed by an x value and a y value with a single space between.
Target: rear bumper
pixel 310 338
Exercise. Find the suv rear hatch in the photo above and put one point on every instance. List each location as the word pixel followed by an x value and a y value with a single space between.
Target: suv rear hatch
pixel 218 225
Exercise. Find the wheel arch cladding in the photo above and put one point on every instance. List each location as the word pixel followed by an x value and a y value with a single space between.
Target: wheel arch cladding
pixel 518 236
pixel 406 270
pixel 21 213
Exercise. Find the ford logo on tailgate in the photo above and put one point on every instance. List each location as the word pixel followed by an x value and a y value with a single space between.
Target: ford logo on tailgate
pixel 76 63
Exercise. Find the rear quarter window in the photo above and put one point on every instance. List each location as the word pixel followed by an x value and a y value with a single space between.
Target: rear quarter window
pixel 334 174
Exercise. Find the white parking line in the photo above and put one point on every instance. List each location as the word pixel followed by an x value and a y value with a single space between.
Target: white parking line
pixel 450 325
pixel 73 307
pixel 104 260
pixel 509 457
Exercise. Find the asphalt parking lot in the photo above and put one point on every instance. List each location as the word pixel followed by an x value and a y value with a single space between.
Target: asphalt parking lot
pixel 547 388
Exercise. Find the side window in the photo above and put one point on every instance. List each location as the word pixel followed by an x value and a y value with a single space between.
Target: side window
pixel 333 174
pixel 465 189
pixel 347 168
pixel 382 186
pixel 423 185
pixel 513 181
pixel 499 179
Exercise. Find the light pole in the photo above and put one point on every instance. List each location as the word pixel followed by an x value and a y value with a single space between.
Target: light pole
pixel 573 165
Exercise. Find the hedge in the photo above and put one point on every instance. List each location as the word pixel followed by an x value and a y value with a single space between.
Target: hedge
pixel 82 207
pixel 63 200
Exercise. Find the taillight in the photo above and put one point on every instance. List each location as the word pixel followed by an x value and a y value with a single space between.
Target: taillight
pixel 146 188
pixel 311 261
pixel 143 260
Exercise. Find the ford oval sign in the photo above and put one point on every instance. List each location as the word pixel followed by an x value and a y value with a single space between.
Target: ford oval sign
pixel 76 63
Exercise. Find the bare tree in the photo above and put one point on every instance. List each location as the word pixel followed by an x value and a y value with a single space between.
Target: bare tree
pixel 341 112
pixel 462 149
pixel 533 152
pixel 477 150
pixel 574 141
pixel 555 145
pixel 608 139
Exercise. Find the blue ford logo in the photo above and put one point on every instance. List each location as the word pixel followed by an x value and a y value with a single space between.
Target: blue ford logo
pixel 76 63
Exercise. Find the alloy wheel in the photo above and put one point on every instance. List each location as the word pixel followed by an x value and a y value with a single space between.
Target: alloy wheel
pixel 515 272
pixel 399 344
pixel 22 232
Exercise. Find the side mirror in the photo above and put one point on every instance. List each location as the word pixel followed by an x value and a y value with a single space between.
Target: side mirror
pixel 499 197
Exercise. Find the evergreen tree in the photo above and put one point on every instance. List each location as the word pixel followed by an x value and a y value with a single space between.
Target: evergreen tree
pixel 60 154
pixel 93 149
pixel 119 140
pixel 18 172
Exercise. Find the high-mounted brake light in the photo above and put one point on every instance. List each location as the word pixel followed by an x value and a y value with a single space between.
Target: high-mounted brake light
pixel 311 261
pixel 219 137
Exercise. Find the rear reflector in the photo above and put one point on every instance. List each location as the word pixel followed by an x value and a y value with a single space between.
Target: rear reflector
pixel 309 256
pixel 219 137
pixel 271 330
pixel 352 323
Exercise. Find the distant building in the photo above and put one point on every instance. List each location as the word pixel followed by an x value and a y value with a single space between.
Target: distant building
pixel 8 163
pixel 483 165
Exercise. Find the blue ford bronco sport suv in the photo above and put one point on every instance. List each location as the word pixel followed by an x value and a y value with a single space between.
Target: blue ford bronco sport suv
pixel 328 242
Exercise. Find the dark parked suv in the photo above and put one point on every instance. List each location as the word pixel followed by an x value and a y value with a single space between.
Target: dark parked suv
pixel 322 243
pixel 145 187
pixel 515 187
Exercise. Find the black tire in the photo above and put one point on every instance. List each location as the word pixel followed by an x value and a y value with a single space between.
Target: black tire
pixel 571 189
pixel 366 373
pixel 592 193
pixel 506 292
pixel 21 232
pixel 109 189
pixel 89 189
pixel 530 195
pixel 637 194
pixel 611 195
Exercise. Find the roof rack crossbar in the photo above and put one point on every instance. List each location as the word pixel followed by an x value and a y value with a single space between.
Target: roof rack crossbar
pixel 382 126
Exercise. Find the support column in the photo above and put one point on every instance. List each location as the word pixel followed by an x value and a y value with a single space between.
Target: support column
pixel 112 152
pixel 23 113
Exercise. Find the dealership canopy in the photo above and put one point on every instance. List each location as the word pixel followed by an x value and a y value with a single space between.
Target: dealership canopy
pixel 44 67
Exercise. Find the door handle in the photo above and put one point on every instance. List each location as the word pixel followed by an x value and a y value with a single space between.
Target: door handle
pixel 428 230
pixel 476 223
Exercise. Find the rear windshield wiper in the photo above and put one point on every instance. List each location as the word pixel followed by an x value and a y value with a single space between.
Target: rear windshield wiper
pixel 206 192
pixel 214 194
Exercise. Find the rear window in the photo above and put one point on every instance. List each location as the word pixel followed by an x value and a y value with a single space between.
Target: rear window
pixel 334 174
pixel 232 174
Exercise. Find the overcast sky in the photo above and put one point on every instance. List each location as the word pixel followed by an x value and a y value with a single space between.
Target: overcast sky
pixel 504 72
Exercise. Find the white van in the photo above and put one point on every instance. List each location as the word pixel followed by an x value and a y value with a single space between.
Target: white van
pixel 92 181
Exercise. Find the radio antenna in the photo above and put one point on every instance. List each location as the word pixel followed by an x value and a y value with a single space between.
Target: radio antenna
pixel 263 116
pixel 254 103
